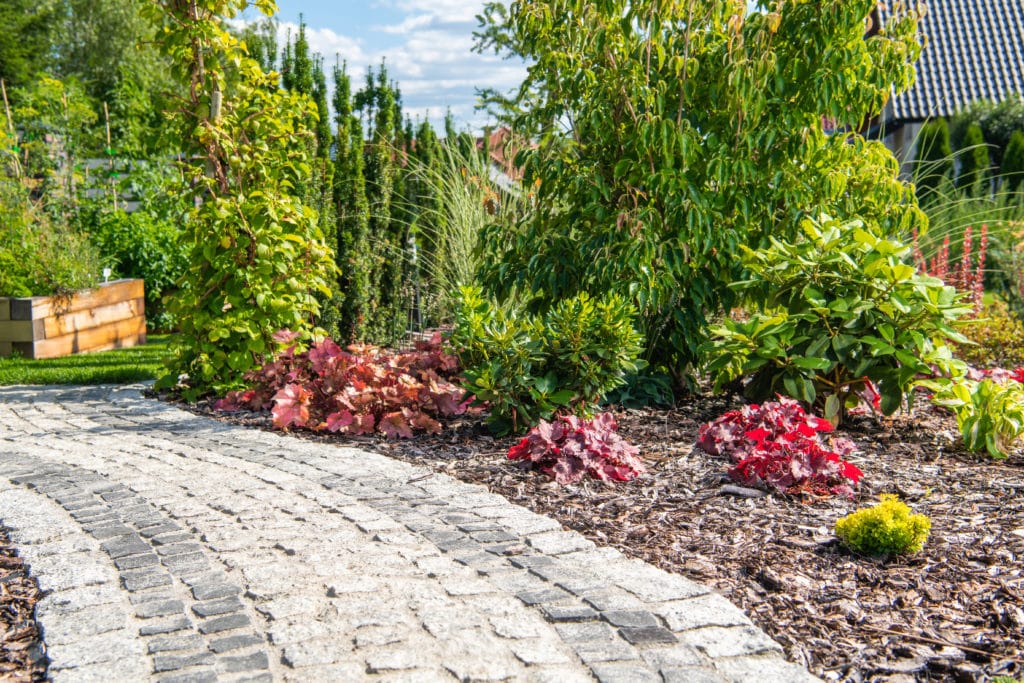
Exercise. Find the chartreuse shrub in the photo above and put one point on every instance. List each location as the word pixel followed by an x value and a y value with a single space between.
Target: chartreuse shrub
pixel 998 338
pixel 669 132
pixel 527 367
pixel 888 528
pixel 838 306
pixel 257 258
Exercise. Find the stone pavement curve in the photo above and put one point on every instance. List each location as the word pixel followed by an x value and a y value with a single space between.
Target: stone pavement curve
pixel 176 548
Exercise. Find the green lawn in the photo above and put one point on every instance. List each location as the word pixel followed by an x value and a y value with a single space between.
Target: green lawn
pixel 105 367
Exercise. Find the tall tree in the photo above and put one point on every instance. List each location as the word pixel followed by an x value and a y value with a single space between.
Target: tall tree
pixel 352 215
pixel 26 40
pixel 388 312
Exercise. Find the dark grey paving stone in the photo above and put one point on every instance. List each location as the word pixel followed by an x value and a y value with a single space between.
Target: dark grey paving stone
pixel 648 635
pixel 250 662
pixel 225 623
pixel 214 608
pixel 230 643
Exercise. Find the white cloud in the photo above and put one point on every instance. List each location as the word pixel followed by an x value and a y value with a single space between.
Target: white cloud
pixel 429 54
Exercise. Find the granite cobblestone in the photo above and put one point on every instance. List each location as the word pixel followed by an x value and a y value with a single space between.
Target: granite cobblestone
pixel 221 553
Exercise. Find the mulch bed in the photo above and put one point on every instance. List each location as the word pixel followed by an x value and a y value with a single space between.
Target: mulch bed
pixel 953 612
pixel 21 652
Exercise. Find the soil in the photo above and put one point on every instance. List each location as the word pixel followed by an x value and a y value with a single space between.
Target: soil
pixel 952 612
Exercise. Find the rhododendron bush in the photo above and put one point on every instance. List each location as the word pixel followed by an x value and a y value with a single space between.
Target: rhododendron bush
pixel 777 446
pixel 361 390
pixel 570 447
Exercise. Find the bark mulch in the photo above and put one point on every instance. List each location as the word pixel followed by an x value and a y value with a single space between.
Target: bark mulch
pixel 953 612
pixel 22 656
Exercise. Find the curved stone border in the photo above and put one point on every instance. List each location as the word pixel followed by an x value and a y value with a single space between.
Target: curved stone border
pixel 186 615
pixel 402 572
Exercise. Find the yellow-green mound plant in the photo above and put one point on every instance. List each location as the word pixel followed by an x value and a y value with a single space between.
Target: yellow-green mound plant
pixel 888 528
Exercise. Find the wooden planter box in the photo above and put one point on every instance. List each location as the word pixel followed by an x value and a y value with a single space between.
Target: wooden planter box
pixel 111 316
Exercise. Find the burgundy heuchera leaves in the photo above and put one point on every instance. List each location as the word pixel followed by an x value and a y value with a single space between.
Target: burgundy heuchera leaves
pixel 778 446
pixel 361 390
pixel 571 447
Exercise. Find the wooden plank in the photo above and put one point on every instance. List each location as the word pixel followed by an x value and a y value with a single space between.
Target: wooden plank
pixel 5 308
pixel 130 332
pixel 6 349
pixel 105 294
pixel 78 321
pixel 21 330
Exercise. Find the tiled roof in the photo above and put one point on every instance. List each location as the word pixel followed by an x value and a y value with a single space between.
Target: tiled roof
pixel 974 50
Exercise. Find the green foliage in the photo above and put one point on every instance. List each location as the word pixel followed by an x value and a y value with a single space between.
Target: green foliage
pixel 141 245
pixel 974 161
pixel 990 414
pixel 257 258
pixel 888 528
pixel 1012 169
pixel 26 43
pixel 997 120
pixel 530 367
pixel 121 366
pixel 40 256
pixel 352 218
pixel 671 132
pixel 455 201
pixel 837 306
pixel 934 157
pixel 388 304
pixel 998 338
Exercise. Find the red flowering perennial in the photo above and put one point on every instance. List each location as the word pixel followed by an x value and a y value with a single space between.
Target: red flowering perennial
pixel 359 391
pixel 777 446
pixel 571 447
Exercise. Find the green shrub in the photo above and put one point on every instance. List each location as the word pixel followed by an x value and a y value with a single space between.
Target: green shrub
pixel 888 528
pixel 530 367
pixel 998 338
pixel 836 307
pixel 139 245
pixel 1012 169
pixel 669 133
pixel 40 256
pixel 974 159
pixel 990 414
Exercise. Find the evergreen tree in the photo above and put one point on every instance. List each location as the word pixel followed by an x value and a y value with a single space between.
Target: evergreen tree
pixel 974 160
pixel 426 193
pixel 26 40
pixel 934 157
pixel 387 238
pixel 1013 162
pixel 352 215
pixel 261 41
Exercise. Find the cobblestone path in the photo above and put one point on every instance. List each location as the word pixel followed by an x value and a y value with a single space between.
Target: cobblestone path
pixel 178 548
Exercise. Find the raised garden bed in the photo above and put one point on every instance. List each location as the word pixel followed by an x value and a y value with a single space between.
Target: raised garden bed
pixel 112 316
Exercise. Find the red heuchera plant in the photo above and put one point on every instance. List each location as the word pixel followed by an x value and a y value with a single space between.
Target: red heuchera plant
pixel 778 446
pixel 571 447
pixel 359 391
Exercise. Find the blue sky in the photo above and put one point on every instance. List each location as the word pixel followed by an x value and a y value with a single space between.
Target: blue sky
pixel 427 45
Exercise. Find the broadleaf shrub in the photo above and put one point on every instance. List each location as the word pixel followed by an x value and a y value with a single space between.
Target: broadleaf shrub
pixel 359 391
pixel 670 132
pixel 838 307
pixel 528 367
pixel 777 446
pixel 888 528
pixel 571 447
